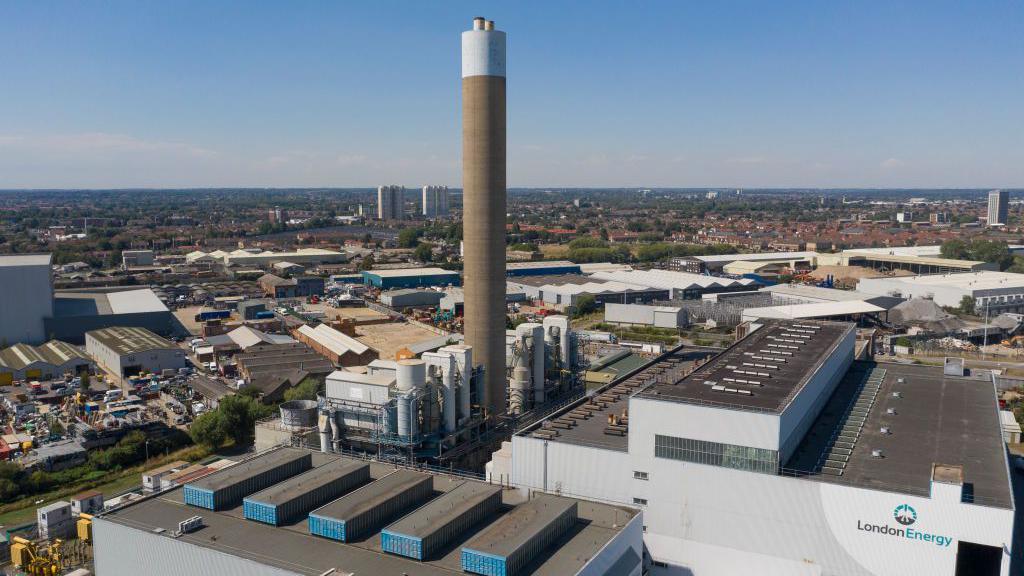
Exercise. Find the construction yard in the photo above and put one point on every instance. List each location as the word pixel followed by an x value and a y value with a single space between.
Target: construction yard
pixel 389 338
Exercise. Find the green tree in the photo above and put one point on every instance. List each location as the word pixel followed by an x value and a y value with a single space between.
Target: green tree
pixel 424 252
pixel 367 263
pixel 306 390
pixel 967 305
pixel 208 430
pixel 409 237
pixel 239 413
pixel 585 304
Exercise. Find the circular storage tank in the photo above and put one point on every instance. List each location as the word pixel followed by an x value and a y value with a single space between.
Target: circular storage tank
pixel 298 414
pixel 411 374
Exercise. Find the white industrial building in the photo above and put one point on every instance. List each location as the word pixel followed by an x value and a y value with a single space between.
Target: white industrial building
pixel 784 456
pixel 128 351
pixel 996 291
pixel 643 315
pixel 564 290
pixel 76 312
pixel 26 297
pixel 681 285
pixel 390 202
pixel 435 201
pixel 716 262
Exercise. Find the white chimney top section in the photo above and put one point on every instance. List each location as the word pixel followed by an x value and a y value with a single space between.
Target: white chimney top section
pixel 483 50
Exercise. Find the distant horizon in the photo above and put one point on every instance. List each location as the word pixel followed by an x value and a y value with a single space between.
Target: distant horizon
pixel 809 189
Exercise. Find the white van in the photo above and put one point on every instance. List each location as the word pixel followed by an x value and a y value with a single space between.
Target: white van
pixel 112 395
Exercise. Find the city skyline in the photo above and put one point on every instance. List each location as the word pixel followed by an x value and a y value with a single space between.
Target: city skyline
pixel 122 95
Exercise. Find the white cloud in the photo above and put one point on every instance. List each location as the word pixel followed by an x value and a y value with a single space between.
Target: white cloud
pixel 890 163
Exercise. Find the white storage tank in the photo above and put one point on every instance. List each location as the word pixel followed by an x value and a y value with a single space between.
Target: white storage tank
pixel 411 374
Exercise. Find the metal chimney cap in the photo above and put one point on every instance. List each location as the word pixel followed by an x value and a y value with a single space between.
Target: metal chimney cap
pixel 489 25
pixel 478 23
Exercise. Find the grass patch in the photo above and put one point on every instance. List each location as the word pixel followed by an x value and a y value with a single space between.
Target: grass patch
pixel 23 511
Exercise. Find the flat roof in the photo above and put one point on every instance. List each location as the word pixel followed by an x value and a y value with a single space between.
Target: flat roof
pixel 403 272
pixel 308 481
pixel 88 303
pixel 519 526
pixel 130 340
pixel 293 548
pixel 585 421
pixel 984 280
pixel 135 302
pixel 755 256
pixel 540 264
pixel 814 310
pixel 762 372
pixel 913 259
pixel 243 470
pixel 672 279
pixel 938 419
pixel 441 510
pixel 25 260
pixel 371 495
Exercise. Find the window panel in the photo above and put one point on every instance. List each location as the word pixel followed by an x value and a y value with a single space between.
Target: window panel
pixel 716 454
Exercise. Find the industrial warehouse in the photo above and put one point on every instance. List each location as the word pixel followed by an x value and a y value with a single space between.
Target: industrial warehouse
pixel 784 455
pixel 292 512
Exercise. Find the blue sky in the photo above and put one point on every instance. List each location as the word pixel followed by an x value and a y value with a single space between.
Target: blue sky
pixel 600 93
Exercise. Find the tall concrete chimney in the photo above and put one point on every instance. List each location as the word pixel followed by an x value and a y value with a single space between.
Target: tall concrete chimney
pixel 483 222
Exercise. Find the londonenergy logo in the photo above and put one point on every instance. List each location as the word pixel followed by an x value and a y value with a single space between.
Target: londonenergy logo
pixel 905 515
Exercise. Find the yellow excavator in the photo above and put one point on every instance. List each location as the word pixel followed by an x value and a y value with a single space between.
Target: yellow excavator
pixel 34 560
pixel 1012 342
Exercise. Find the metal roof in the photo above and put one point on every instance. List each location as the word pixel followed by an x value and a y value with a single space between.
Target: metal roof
pixel 135 301
pixel 250 468
pixel 443 509
pixel 130 340
pixel 25 260
pixel 519 526
pixel 671 279
pixel 755 256
pixel 334 340
pixel 813 310
pixel 308 481
pixel 54 352
pixel 371 495
pixel 404 272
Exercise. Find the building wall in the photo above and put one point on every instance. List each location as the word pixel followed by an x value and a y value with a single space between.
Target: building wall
pixel 151 360
pixel 121 551
pixel 73 328
pixel 571 469
pixel 26 299
pixel 707 423
pixel 798 417
pixel 711 521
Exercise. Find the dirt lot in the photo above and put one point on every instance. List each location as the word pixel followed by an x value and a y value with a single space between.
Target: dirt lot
pixel 187 317
pixel 390 338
